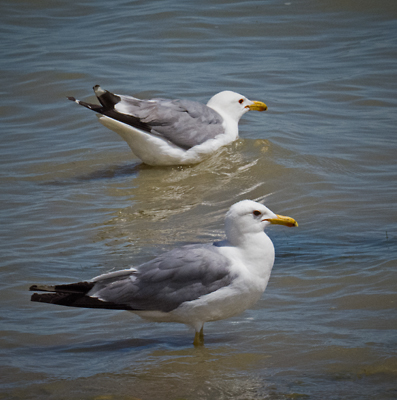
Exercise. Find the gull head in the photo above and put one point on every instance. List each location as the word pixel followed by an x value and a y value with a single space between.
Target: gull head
pixel 248 217
pixel 234 105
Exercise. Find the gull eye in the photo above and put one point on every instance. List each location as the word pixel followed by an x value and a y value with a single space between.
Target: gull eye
pixel 241 101
pixel 256 213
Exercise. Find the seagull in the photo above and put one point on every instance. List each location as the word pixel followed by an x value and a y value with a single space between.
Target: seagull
pixel 163 132
pixel 192 284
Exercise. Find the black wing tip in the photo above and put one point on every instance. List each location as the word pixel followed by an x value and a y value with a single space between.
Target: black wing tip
pixel 77 300
pixel 96 89
pixel 99 91
pixel 42 288
pixel 62 299
pixel 36 297
pixel 78 287
pixel 106 98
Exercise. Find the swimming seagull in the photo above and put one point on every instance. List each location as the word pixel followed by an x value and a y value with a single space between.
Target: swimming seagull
pixel 172 132
pixel 192 284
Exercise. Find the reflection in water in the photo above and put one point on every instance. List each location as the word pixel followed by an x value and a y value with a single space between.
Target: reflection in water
pixel 167 204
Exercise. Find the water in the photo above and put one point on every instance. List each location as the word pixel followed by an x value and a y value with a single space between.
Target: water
pixel 76 203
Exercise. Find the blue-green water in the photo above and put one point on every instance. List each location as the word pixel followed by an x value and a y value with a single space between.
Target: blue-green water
pixel 75 202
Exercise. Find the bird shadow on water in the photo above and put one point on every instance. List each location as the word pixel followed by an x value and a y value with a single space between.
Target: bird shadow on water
pixel 114 172
pixel 109 172
pixel 112 345
pixel 172 342
pixel 130 345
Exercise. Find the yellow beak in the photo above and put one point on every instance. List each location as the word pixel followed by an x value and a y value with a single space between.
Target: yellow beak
pixel 257 106
pixel 281 220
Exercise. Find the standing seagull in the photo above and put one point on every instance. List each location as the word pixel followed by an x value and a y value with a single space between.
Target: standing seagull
pixel 172 132
pixel 192 284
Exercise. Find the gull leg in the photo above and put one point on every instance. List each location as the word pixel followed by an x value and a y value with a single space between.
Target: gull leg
pixel 199 338
pixel 201 334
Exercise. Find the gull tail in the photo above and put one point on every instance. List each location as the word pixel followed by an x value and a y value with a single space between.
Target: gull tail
pixel 72 295
pixel 108 102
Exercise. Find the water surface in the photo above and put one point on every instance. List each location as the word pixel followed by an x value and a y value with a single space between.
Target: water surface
pixel 76 203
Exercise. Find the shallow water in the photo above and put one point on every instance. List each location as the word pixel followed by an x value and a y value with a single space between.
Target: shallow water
pixel 75 202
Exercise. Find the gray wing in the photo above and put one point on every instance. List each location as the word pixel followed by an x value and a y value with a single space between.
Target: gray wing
pixel 182 122
pixel 180 275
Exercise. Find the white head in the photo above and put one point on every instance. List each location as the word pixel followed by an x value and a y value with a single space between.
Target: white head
pixel 247 218
pixel 234 105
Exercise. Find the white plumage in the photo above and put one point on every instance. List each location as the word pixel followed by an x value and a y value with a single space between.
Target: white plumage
pixel 193 284
pixel 172 132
